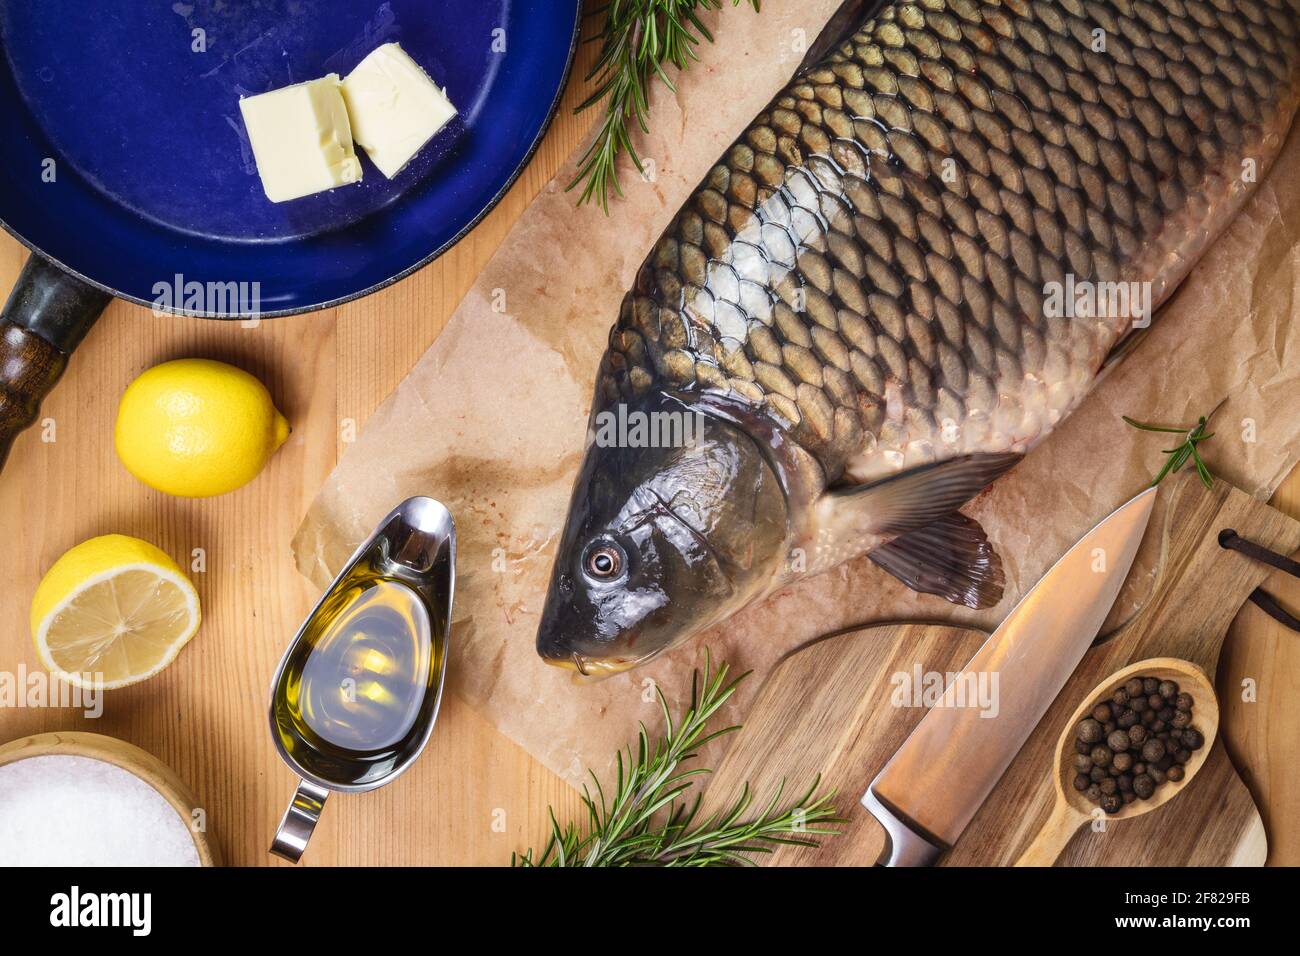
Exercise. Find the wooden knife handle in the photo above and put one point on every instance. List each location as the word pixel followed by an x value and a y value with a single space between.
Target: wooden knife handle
pixel 48 313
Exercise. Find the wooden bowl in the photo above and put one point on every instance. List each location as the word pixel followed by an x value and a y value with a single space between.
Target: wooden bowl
pixel 132 759
pixel 1072 809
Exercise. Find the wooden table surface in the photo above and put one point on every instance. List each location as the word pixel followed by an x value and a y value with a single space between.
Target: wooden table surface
pixel 474 797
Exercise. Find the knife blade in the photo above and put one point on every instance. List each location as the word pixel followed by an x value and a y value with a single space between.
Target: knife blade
pixel 936 781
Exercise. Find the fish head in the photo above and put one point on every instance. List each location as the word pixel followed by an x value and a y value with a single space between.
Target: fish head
pixel 663 538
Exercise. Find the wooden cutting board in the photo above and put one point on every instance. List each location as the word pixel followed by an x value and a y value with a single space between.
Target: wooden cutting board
pixel 828 708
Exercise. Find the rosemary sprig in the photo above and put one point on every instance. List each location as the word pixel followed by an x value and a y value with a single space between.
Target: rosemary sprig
pixel 642 822
pixel 1179 455
pixel 638 40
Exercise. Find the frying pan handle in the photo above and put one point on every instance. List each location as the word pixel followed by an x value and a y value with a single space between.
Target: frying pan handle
pixel 48 313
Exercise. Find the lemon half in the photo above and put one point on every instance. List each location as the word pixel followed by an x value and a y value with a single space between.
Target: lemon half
pixel 196 428
pixel 113 611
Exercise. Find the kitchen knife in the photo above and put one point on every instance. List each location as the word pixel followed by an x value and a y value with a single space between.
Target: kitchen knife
pixel 937 780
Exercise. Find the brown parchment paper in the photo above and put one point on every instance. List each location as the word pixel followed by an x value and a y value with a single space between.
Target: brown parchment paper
pixel 492 419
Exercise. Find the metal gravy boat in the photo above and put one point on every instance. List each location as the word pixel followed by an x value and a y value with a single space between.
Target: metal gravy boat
pixel 356 694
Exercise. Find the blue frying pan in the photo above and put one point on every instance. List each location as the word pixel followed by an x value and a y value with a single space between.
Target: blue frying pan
pixel 126 168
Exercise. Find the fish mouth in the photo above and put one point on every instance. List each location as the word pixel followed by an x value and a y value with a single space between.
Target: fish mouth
pixel 592 668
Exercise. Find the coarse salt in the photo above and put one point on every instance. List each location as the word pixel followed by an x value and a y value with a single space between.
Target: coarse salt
pixel 59 810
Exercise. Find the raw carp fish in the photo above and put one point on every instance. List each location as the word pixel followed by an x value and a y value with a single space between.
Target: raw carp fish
pixel 906 271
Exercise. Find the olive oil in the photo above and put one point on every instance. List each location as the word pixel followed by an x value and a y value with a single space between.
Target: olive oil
pixel 357 691
pixel 354 696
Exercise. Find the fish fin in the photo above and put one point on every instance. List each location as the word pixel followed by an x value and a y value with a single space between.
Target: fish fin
pixel 916 498
pixel 851 16
pixel 1133 337
pixel 1121 350
pixel 951 557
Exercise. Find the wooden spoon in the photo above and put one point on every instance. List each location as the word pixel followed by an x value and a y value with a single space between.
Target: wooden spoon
pixel 1072 808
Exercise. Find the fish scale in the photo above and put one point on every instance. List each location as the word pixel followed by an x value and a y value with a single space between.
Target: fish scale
pixel 867 263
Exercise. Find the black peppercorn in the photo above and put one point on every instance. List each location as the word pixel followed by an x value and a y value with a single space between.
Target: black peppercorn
pixel 1143 786
pixel 1090 731
pixel 1133 742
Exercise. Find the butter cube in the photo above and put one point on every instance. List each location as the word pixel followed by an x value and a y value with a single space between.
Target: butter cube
pixel 301 139
pixel 394 106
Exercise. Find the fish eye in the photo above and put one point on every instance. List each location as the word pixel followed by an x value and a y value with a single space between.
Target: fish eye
pixel 604 561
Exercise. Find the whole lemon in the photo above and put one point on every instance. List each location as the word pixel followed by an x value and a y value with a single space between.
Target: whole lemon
pixel 196 428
